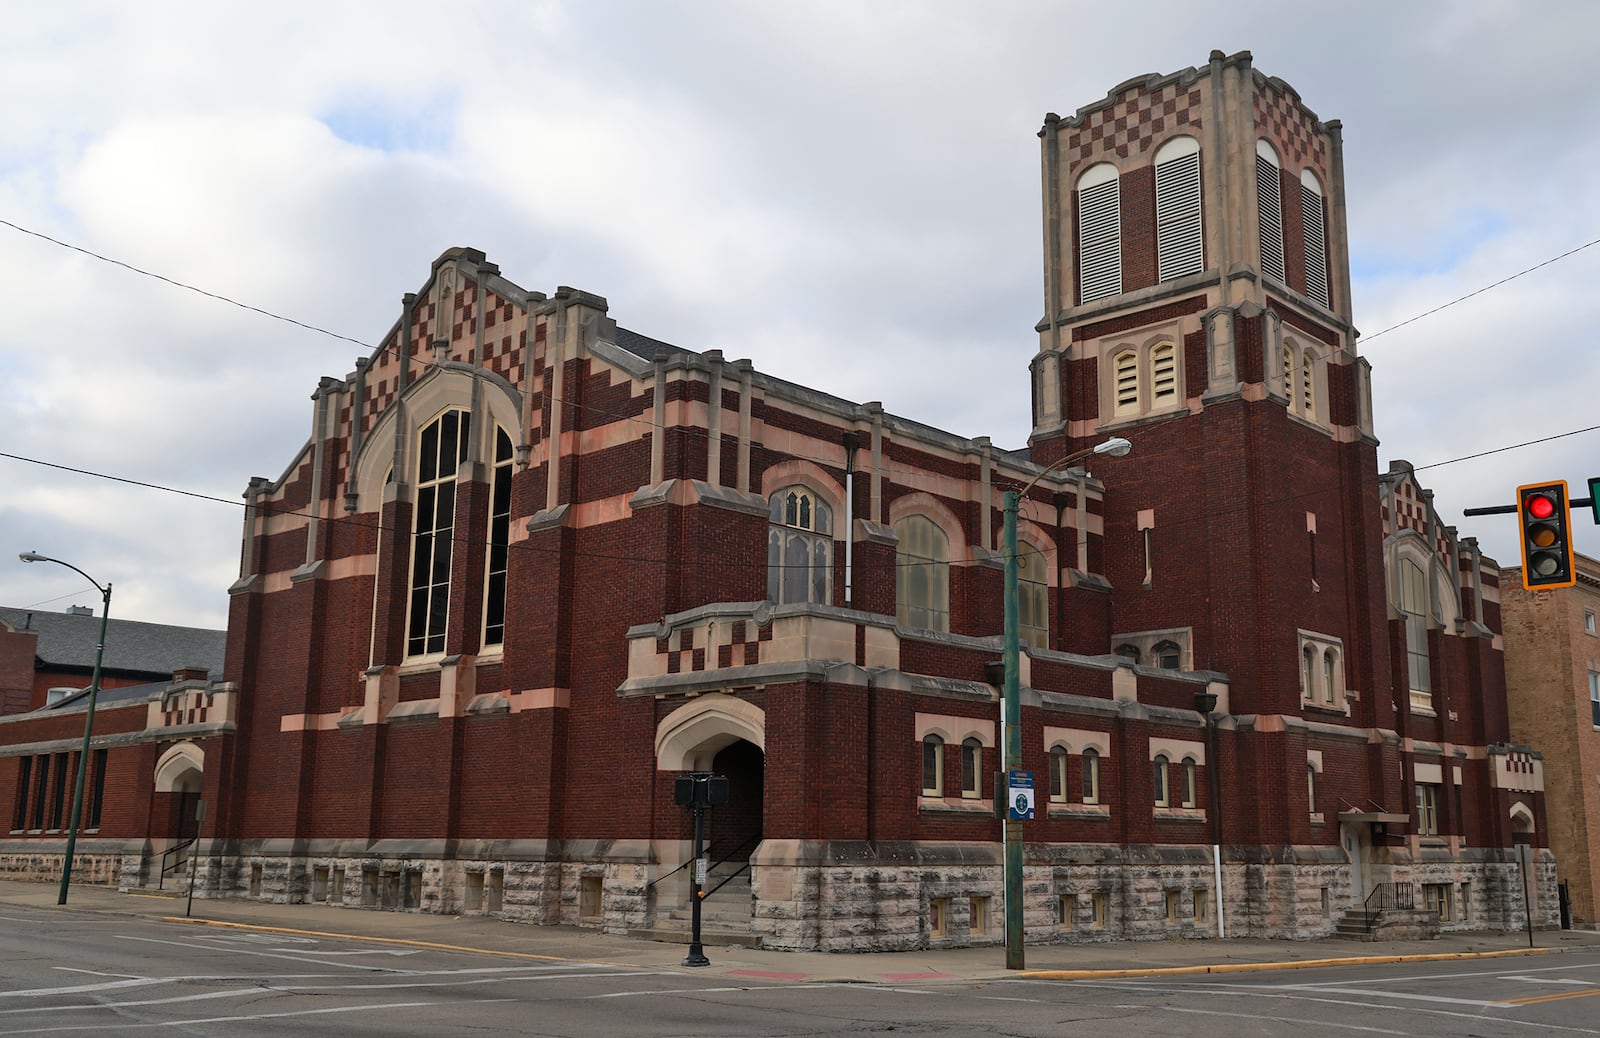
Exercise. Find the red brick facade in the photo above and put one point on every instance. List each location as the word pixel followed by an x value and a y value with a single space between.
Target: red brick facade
pixel 1245 529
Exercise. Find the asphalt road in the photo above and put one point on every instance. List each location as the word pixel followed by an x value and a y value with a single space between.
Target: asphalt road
pixel 67 973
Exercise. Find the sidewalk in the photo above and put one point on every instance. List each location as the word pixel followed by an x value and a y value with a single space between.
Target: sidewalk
pixel 1049 961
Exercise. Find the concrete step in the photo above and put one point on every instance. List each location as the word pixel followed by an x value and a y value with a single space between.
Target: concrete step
pixel 711 938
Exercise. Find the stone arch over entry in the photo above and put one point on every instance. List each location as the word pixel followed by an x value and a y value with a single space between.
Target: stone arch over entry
pixel 1522 823
pixel 180 768
pixel 689 738
pixel 179 773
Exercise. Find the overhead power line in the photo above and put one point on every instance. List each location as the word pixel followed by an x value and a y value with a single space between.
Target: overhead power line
pixel 184 285
pixel 1480 291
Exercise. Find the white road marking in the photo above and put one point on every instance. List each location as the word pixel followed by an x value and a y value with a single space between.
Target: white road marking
pixel 234 993
pixel 94 973
pixel 261 954
pixel 1550 980
pixel 105 1027
pixel 388 985
pixel 1272 1019
pixel 77 989
pixel 1308 993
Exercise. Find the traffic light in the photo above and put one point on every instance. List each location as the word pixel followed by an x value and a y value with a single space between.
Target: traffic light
pixel 1546 543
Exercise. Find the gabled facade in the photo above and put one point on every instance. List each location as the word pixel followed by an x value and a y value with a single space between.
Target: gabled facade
pixel 531 566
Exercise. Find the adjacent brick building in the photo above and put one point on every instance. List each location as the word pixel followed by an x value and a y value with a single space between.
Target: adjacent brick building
pixel 1553 692
pixel 531 566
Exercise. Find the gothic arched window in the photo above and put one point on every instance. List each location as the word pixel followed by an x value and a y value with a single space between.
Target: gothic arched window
pixel 799 548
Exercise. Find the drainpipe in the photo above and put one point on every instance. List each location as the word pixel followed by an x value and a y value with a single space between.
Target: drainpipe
pixel 852 443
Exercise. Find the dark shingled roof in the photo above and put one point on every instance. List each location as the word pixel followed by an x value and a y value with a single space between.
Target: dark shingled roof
pixel 67 640
pixel 643 345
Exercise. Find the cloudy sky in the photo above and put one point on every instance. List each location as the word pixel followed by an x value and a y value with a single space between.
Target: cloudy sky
pixel 845 193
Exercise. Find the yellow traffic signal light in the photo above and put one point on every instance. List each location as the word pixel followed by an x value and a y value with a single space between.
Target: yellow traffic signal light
pixel 1546 542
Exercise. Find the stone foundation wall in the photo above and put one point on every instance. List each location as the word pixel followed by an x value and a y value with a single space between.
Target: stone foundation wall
pixel 846 897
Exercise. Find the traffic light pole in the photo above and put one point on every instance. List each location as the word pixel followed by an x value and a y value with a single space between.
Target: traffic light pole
pixel 697 952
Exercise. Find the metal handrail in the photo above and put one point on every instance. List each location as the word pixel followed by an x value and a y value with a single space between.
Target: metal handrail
pixel 741 851
pixel 1398 896
pixel 177 863
pixel 748 843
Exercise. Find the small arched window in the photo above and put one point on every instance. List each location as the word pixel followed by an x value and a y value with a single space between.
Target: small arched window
pixel 1058 775
pixel 1269 208
pixel 922 574
pixel 1091 776
pixel 1316 239
pixel 1099 233
pixel 1163 788
pixel 971 769
pixel 1190 783
pixel 1128 652
pixel 1168 656
pixel 1308 673
pixel 1330 676
pixel 932 766
pixel 799 548
pixel 1033 596
pixel 1311 786
pixel 1179 243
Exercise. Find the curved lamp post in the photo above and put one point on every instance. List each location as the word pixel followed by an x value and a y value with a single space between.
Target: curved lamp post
pixel 1116 447
pixel 88 721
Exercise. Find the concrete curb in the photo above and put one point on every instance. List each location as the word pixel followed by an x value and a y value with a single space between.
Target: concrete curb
pixel 1252 967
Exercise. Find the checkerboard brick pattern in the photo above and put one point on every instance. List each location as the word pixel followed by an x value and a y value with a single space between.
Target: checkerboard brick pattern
pixel 1406 509
pixel 1283 120
pixel 686 649
pixel 1135 120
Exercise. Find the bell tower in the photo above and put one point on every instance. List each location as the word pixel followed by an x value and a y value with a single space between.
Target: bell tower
pixel 1197 302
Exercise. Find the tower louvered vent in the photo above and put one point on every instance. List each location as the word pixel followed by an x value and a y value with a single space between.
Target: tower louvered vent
pixel 1269 195
pixel 1099 241
pixel 1179 248
pixel 1316 244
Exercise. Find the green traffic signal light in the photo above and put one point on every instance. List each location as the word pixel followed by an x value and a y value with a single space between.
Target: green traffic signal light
pixel 1546 543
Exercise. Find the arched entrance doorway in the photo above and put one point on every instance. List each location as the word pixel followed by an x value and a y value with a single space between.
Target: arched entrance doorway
pixel 735 828
pixel 724 735
pixel 174 821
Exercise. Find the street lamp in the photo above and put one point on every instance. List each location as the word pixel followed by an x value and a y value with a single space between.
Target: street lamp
pixel 88 721
pixel 1011 716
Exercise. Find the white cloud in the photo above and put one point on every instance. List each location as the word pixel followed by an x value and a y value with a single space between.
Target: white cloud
pixel 846 194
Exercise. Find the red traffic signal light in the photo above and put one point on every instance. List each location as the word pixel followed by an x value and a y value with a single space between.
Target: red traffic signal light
pixel 1546 543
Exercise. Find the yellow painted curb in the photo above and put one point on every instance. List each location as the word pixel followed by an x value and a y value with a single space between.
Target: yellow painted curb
pixel 403 942
pixel 1248 967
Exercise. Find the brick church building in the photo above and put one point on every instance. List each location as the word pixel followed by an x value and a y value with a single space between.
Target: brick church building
pixel 531 566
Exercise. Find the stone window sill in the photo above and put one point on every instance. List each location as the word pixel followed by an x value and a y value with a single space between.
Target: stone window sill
pixel 955 805
pixel 1079 811
pixel 1180 814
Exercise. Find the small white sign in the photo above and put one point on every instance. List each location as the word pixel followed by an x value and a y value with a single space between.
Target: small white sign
pixel 702 868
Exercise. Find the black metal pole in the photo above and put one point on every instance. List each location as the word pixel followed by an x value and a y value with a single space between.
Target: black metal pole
pixel 1523 857
pixel 697 954
pixel 194 848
